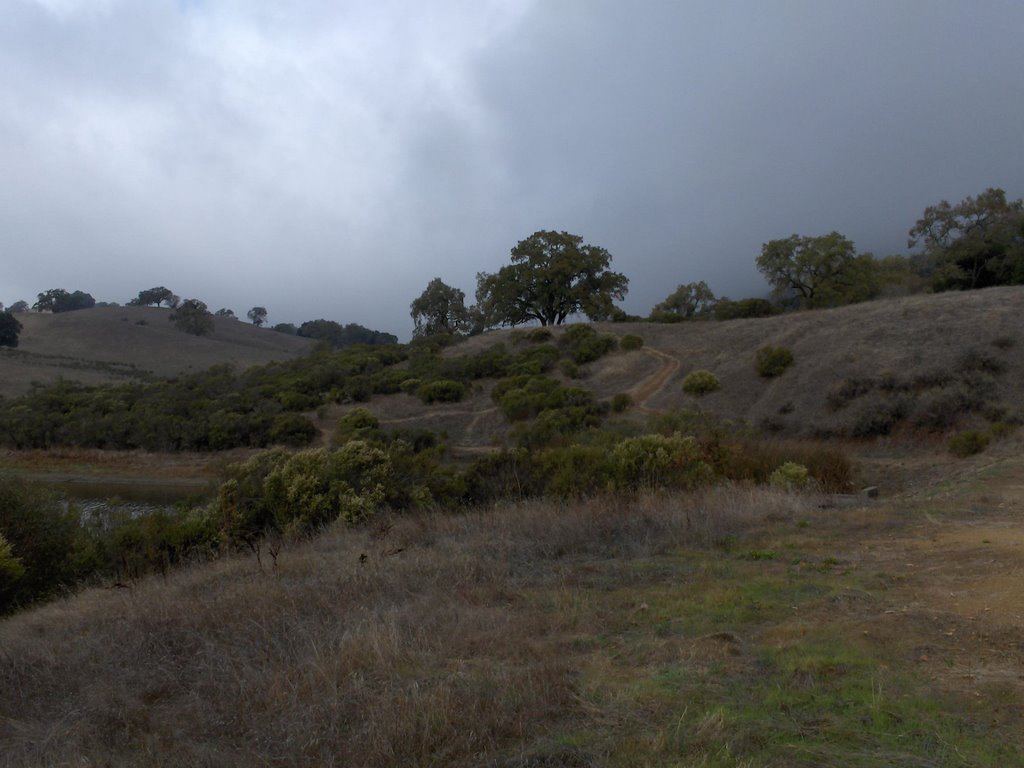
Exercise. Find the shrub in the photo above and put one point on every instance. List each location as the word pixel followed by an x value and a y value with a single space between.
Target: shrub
pixel 772 361
pixel 570 369
pixel 1003 342
pixel 656 461
pixel 410 386
pixel 621 402
pixel 698 383
pixel 790 476
pixel 979 360
pixel 878 417
pixel 538 335
pixel 843 393
pixel 358 424
pixel 441 391
pixel 630 342
pixel 585 345
pixel 41 538
pixel 575 470
pixel 534 361
pixel 964 444
pixel 291 429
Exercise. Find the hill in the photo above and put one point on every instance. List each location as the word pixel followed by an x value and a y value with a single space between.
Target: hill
pixel 927 362
pixel 116 344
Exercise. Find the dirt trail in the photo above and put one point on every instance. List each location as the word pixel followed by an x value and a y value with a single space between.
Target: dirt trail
pixel 656 382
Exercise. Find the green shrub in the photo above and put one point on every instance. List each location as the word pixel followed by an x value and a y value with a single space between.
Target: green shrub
pixel 790 476
pixel 575 470
pixel 657 461
pixel 630 342
pixel 41 537
pixel 11 568
pixel 357 424
pixel 585 345
pixel 621 402
pixel 441 391
pixel 291 429
pixel 772 361
pixel 410 386
pixel 570 369
pixel 879 416
pixel 534 361
pixel 968 443
pixel 699 383
pixel 538 335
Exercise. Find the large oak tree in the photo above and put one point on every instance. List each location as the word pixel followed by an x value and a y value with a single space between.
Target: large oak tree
pixel 553 275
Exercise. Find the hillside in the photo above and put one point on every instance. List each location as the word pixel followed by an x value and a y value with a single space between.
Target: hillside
pixel 117 344
pixel 931 362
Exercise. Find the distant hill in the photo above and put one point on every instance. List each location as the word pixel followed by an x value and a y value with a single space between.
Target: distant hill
pixel 117 344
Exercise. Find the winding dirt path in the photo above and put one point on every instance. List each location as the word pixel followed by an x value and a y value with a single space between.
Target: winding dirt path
pixel 656 382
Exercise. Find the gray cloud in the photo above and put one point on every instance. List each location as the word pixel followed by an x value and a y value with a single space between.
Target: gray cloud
pixel 327 159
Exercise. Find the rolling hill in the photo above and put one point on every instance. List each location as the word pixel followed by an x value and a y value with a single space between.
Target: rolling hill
pixel 117 344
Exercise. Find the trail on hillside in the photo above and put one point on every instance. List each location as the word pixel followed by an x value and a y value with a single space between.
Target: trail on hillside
pixel 656 382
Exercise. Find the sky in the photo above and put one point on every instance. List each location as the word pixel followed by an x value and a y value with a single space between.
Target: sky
pixel 328 158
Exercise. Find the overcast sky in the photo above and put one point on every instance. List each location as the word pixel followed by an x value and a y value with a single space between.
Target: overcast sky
pixel 327 158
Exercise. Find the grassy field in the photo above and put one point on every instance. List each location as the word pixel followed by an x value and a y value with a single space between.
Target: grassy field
pixel 730 627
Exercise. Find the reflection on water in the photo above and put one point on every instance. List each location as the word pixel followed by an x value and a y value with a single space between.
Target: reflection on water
pixel 107 499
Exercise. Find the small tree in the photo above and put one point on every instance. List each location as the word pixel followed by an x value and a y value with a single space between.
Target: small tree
pixel 192 316
pixel 19 306
pixel 258 315
pixel 156 296
pixel 439 309
pixel 225 313
pixel 9 330
pixel 687 302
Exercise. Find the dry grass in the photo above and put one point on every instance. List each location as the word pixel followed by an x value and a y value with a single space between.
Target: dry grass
pixel 417 641
pixel 81 345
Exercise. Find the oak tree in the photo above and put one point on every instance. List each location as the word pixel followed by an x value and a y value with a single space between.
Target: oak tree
pixel 553 275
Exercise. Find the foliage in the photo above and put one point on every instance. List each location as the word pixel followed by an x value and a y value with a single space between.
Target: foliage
pixel 585 345
pixel 440 309
pixel 978 242
pixel 553 275
pixel 11 568
pixel 659 461
pixel 192 316
pixel 968 443
pixel 58 300
pixel 441 391
pixel 258 315
pixel 9 330
pixel 341 336
pixel 18 306
pixel 630 342
pixel 227 314
pixel 727 309
pixel 699 383
pixel 621 402
pixel 287 328
pixel 687 302
pixel 790 476
pixel 772 361
pixel 42 536
pixel 156 296
pixel 820 271
pixel 357 424
pixel 291 429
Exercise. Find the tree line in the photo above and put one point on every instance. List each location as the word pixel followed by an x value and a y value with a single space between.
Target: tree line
pixel 977 243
